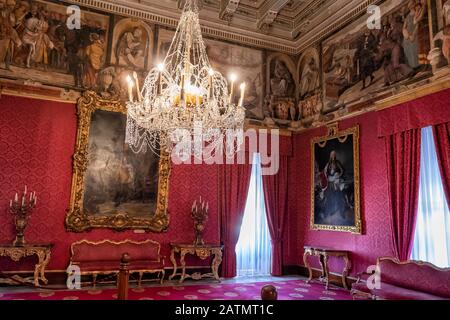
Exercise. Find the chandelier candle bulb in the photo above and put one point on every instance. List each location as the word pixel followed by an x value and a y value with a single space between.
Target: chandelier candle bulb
pixel 233 79
pixel 211 89
pixel 138 90
pixel 159 83
pixel 130 88
pixel 241 100
pixel 182 88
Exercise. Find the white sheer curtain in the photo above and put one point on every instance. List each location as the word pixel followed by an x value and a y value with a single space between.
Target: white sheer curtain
pixel 432 235
pixel 253 249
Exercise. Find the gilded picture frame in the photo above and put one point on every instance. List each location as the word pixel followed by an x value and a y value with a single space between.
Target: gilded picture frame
pixel 335 181
pixel 80 219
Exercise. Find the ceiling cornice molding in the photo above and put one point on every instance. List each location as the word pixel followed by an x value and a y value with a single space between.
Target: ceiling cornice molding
pixel 209 28
pixel 213 26
pixel 321 32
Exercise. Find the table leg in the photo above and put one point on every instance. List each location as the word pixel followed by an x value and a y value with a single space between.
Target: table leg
pixel 44 266
pixel 183 266
pixel 322 265
pixel 216 263
pixel 38 267
pixel 307 265
pixel 174 263
pixel 326 271
pixel 346 270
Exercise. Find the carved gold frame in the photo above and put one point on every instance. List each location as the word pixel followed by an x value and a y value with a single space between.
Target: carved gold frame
pixel 334 133
pixel 77 219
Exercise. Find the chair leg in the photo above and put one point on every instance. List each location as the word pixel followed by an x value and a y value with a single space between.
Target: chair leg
pixel 163 274
pixel 94 280
pixel 141 274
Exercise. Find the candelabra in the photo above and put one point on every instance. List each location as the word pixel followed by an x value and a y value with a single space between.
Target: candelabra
pixel 200 216
pixel 21 209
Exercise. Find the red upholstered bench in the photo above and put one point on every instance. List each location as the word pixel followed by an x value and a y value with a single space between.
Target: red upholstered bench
pixel 410 280
pixel 103 258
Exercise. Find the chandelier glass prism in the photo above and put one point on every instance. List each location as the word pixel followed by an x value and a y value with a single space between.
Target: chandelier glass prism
pixel 184 97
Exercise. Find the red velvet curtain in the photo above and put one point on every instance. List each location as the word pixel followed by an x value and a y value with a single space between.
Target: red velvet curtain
pixel 403 162
pixel 276 200
pixel 234 182
pixel 442 141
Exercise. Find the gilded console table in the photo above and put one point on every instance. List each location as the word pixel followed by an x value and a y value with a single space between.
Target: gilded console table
pixel 16 253
pixel 203 252
pixel 323 254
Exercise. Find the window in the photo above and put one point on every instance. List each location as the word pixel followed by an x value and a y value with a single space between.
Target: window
pixel 254 248
pixel 432 235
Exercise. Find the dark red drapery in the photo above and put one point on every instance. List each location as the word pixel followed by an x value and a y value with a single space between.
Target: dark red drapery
pixel 234 182
pixel 403 163
pixel 442 142
pixel 276 200
pixel 423 112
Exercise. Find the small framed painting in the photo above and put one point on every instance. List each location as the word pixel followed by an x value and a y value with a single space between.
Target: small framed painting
pixel 335 190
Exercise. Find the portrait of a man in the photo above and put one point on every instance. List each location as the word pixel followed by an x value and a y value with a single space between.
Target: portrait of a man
pixel 336 181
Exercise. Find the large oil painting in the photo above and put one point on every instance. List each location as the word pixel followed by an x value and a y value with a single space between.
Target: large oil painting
pixel 117 179
pixel 113 186
pixel 335 182
pixel 361 65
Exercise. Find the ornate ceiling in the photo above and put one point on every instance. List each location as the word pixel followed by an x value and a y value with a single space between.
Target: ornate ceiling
pixel 288 26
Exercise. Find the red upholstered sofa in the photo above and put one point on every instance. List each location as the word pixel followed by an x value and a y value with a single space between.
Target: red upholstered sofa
pixel 410 280
pixel 103 258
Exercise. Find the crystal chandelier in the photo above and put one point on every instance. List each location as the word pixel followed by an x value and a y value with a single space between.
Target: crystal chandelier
pixel 184 98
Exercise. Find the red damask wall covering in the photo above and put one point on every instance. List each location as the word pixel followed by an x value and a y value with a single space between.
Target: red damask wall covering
pixel 375 241
pixel 37 140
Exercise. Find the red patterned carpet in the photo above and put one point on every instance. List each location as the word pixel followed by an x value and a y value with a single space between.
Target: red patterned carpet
pixel 287 290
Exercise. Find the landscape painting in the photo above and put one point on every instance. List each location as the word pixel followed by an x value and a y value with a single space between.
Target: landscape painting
pixel 335 182
pixel 362 64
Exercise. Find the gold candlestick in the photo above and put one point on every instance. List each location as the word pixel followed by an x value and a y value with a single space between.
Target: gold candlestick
pixel 200 216
pixel 21 212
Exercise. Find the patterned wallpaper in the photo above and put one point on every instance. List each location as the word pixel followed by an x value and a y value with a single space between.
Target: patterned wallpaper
pixel 37 141
pixel 375 240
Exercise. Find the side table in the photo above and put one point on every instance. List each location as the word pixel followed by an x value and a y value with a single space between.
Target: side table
pixel 323 254
pixel 203 252
pixel 16 253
